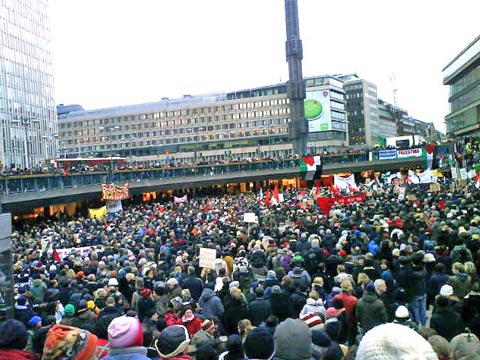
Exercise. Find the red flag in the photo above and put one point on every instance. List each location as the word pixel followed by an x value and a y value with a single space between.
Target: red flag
pixel 317 189
pixel 56 256
pixel 267 197
pixel 275 194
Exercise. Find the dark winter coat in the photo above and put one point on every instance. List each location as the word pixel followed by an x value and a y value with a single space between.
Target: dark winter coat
pixel 370 311
pixel 447 322
pixel 260 309
pixel 210 304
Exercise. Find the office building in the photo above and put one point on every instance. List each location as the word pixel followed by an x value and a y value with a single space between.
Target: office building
pixel 462 75
pixel 27 108
pixel 362 112
pixel 207 128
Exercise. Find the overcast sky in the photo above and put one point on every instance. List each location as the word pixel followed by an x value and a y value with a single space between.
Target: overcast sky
pixel 118 52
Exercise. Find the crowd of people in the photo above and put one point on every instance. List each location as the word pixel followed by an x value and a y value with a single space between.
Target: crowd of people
pixel 387 278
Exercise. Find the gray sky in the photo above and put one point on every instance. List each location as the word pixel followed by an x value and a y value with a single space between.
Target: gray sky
pixel 118 52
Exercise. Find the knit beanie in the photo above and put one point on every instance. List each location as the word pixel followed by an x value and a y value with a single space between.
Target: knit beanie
pixel 394 342
pixel 67 342
pixel 69 310
pixel 465 346
pixel 125 331
pixel 13 335
pixel 173 341
pixel 293 340
pixel 259 344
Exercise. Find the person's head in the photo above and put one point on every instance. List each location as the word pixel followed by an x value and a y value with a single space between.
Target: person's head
pixel 346 286
pixel 259 291
pixel 259 344
pixel 441 346
pixel 458 268
pixel 293 340
pixel 13 335
pixel 125 331
pixel 35 322
pixel 380 286
pixel 470 268
pixel 363 279
pixel 244 327
pixel 209 326
pixel 66 342
pixel 394 341
pixel 173 341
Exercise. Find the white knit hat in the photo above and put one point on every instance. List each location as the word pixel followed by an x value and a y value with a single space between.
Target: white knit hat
pixel 446 290
pixel 394 342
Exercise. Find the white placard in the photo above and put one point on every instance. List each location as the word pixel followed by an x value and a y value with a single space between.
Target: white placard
pixel 207 258
pixel 250 218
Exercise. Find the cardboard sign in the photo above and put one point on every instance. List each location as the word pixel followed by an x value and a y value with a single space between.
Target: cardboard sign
pixel 250 218
pixel 207 258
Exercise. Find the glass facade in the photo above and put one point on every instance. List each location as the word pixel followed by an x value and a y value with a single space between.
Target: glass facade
pixel 463 77
pixel 27 106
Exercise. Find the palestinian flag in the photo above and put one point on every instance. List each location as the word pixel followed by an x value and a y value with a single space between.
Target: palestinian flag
pixel 311 167
pixel 428 152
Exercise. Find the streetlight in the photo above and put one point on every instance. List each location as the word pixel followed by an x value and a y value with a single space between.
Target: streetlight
pixel 109 131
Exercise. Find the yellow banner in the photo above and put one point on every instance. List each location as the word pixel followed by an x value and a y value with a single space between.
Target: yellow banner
pixel 97 213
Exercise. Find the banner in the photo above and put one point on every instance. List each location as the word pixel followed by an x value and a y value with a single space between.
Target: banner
pixel 408 153
pixel 401 192
pixel 115 192
pixel 97 213
pixel 114 206
pixel 179 200
pixel 326 203
pixel 344 182
pixel 427 177
pixel 84 250
pixel 387 154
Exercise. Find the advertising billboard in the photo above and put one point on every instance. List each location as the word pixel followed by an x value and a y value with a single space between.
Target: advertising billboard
pixel 317 111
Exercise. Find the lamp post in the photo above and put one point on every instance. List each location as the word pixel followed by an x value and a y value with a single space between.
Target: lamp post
pixel 109 131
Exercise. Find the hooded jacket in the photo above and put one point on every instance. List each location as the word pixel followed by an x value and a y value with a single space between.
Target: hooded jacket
pixel 211 304
pixel 313 306
pixel 370 311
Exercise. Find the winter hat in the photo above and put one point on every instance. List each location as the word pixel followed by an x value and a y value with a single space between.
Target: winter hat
pixel 112 282
pixel 207 324
pixel 313 320
pixel 34 321
pixel 125 331
pixel 69 310
pixel 234 285
pixel 332 313
pixel 22 300
pixel 465 347
pixel 402 312
pixel 446 290
pixel 67 342
pixel 370 288
pixel 271 274
pixel 276 289
pixel 259 344
pixel 293 340
pixel 146 293
pixel 394 342
pixel 324 348
pixel 173 341
pixel 13 335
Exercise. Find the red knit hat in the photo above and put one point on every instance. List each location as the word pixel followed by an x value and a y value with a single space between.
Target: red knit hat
pixel 62 339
